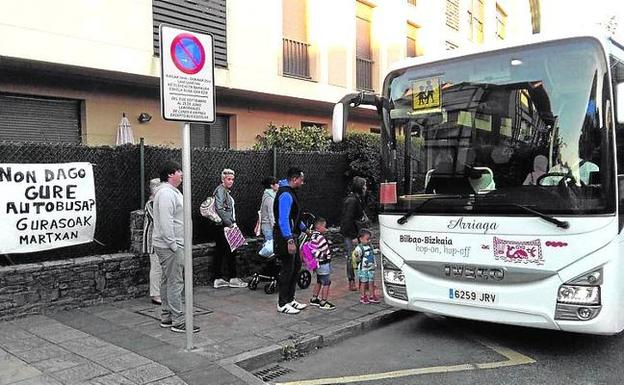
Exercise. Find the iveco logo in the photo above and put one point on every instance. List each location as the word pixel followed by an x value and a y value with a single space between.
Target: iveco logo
pixel 474 272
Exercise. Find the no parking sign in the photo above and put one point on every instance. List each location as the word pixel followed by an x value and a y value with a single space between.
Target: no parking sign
pixel 187 75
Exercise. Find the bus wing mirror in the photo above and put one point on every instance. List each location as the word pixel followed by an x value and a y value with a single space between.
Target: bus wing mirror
pixel 339 121
pixel 619 109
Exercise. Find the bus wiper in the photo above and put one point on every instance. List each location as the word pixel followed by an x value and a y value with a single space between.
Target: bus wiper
pixel 546 217
pixel 414 210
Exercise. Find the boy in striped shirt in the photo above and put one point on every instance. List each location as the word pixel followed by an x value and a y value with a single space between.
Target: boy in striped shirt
pixel 321 252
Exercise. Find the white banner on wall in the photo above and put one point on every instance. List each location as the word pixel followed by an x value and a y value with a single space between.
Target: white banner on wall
pixel 46 206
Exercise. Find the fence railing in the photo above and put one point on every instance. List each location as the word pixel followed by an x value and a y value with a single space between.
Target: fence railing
pixel 296 58
pixel 364 74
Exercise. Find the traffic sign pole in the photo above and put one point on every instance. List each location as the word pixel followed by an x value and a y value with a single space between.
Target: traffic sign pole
pixel 188 233
pixel 187 94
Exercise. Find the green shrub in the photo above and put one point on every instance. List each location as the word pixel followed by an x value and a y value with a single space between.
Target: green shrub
pixel 363 155
pixel 288 138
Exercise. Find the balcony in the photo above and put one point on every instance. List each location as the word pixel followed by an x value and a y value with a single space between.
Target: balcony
pixel 364 74
pixel 296 59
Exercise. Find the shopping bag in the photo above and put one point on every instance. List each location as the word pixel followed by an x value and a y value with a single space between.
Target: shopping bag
pixel 234 237
pixel 267 249
pixel 258 226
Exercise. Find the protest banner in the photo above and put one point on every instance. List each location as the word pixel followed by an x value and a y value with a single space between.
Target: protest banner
pixel 46 206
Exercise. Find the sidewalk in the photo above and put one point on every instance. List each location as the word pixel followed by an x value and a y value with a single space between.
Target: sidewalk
pixel 122 343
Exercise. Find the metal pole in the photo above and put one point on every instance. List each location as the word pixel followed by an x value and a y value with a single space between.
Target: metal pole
pixel 142 166
pixel 188 233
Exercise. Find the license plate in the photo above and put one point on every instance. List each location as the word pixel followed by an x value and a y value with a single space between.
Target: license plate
pixel 472 296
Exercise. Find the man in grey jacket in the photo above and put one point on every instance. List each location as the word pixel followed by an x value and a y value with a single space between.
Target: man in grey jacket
pixel 168 242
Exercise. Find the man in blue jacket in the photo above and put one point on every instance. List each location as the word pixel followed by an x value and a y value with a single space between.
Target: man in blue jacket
pixel 287 227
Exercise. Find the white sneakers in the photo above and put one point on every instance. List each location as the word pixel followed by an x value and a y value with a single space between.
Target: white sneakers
pixel 237 283
pixel 287 309
pixel 298 306
pixel 291 308
pixel 234 282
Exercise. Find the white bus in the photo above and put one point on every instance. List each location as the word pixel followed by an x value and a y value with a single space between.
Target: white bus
pixel 500 194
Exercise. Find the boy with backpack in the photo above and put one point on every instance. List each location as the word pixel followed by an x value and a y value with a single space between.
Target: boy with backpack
pixel 320 250
pixel 363 259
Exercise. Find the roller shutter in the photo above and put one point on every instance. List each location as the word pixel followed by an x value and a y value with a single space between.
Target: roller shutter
pixel 32 119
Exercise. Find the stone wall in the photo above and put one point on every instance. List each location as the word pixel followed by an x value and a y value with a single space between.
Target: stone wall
pixel 42 287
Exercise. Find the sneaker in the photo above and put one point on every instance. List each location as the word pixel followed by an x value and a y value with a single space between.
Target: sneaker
pixel 326 305
pixel 237 283
pixel 166 324
pixel 219 283
pixel 352 286
pixel 373 299
pixel 298 306
pixel 182 328
pixel 364 300
pixel 287 309
pixel 315 301
pixel 156 300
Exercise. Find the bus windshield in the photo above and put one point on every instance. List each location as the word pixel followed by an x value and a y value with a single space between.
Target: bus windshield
pixel 526 126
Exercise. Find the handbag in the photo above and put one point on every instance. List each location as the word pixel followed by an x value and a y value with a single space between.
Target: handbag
pixel 234 236
pixel 362 223
pixel 207 210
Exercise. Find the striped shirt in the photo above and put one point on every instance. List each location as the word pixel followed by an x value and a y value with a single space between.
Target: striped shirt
pixel 320 247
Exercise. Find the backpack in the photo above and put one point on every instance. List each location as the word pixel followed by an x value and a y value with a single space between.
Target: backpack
pixel 307 256
pixel 207 210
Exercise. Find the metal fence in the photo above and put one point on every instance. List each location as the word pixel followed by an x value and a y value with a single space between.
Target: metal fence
pixel 118 184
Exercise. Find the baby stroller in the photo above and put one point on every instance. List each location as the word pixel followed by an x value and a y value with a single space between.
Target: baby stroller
pixel 271 270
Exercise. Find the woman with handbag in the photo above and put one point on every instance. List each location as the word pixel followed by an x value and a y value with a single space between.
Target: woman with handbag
pixel 353 219
pixel 225 257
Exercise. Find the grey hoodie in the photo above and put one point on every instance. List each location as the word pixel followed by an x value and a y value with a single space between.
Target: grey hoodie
pixel 266 207
pixel 168 218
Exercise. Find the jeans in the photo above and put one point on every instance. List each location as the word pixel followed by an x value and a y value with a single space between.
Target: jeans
pixel 267 231
pixel 289 270
pixel 155 275
pixel 349 246
pixel 172 284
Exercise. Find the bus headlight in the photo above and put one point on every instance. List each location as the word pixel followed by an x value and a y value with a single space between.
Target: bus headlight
pixel 394 277
pixel 579 295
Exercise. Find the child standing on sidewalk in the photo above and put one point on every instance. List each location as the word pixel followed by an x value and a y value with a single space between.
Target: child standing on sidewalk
pixel 322 254
pixel 363 259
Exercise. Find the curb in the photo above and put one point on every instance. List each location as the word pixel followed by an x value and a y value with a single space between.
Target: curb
pixel 306 343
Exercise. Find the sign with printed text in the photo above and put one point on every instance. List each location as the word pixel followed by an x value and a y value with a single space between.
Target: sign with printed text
pixel 46 206
pixel 426 96
pixel 187 90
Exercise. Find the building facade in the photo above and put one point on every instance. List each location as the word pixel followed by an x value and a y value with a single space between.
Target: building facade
pixel 69 69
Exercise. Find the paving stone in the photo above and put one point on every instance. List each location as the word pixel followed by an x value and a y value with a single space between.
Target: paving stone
pixel 174 380
pixel 57 333
pixel 110 379
pixel 118 363
pixel 41 353
pixel 13 369
pixel 38 380
pixel 19 345
pixel 80 373
pixel 58 363
pixel 212 374
pixel 147 373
